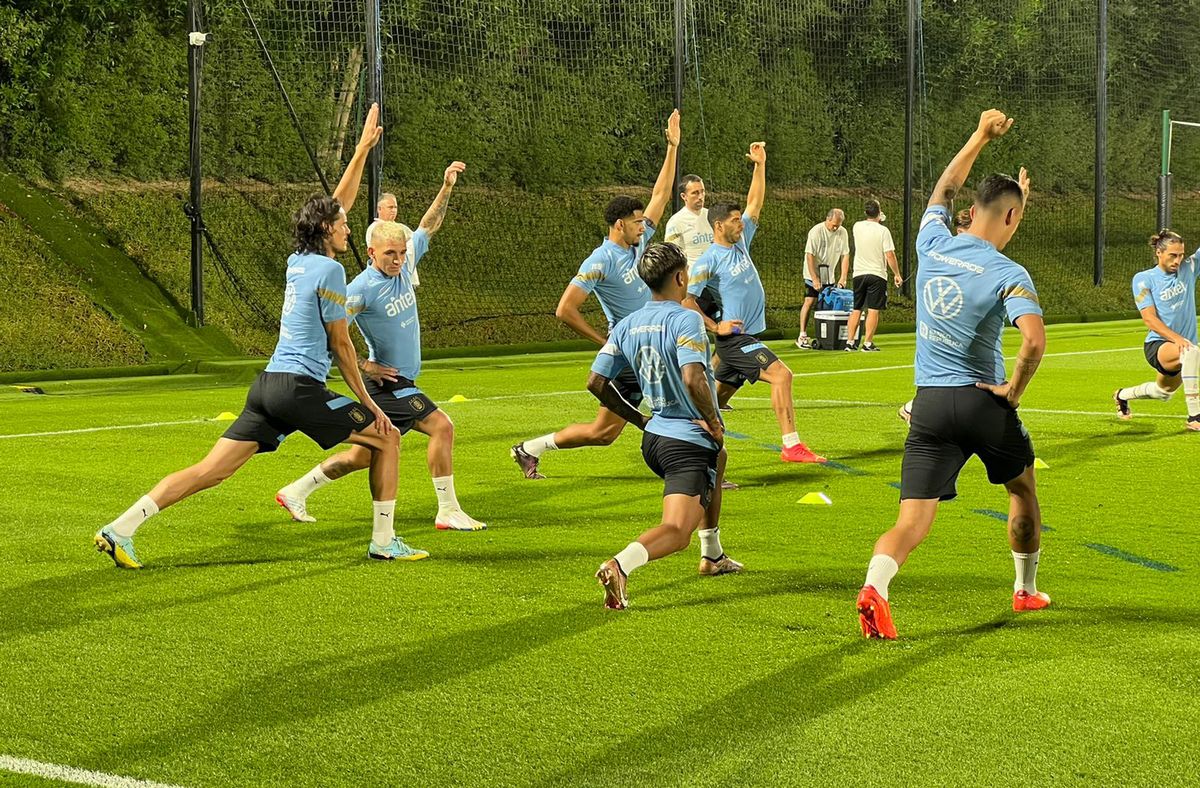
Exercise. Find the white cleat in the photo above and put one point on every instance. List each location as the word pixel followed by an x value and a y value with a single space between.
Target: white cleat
pixel 457 520
pixel 295 507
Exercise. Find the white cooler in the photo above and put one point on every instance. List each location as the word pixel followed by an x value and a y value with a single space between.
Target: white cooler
pixel 831 329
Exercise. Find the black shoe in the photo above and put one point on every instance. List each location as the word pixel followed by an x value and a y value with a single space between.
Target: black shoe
pixel 870 347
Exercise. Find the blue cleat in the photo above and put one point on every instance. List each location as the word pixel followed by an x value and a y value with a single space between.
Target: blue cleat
pixel 396 551
pixel 119 548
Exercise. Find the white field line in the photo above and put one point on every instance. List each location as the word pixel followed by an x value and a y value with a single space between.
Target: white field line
pixel 104 429
pixel 69 774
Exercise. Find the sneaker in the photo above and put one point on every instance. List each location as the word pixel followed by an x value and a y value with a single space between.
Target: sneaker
pixel 726 407
pixel 870 347
pixel 396 551
pixel 728 485
pixel 1193 423
pixel 525 461
pixel 875 615
pixel 295 507
pixel 1023 600
pixel 1123 412
pixel 457 520
pixel 612 578
pixel 905 414
pixel 851 347
pixel 119 548
pixel 804 343
pixel 721 566
pixel 800 453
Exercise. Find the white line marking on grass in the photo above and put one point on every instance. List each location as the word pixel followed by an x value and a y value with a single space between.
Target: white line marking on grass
pixel 103 429
pixel 70 774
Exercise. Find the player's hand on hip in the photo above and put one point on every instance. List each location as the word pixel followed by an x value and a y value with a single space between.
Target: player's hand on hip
pixel 758 152
pixel 728 327
pixel 672 130
pixel 993 123
pixel 452 172
pixel 1004 391
pixel 372 131
pixel 380 373
pixel 1184 346
pixel 715 431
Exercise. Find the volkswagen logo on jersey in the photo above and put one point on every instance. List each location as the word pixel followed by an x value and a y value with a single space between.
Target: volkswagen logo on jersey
pixel 649 365
pixel 943 298
pixel 289 298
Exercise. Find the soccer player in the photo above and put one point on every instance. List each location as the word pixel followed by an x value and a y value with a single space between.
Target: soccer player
pixel 1166 297
pixel 873 249
pixel 727 275
pixel 385 211
pixel 826 245
pixel 965 404
pixel 689 228
pixel 290 394
pixel 611 273
pixel 381 301
pixel 683 440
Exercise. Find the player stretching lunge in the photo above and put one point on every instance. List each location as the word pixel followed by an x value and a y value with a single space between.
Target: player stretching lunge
pixel 964 403
pixel 726 274
pixel 291 394
pixel 666 346
pixel 1166 297
pixel 382 302
pixel 610 272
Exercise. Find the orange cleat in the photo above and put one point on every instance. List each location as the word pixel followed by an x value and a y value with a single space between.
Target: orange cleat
pixel 875 615
pixel 1023 600
pixel 612 578
pixel 800 453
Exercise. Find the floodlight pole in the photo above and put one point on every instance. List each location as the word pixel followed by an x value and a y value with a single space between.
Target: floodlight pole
pixel 680 47
pixel 196 37
pixel 374 96
pixel 1101 196
pixel 911 80
pixel 1164 175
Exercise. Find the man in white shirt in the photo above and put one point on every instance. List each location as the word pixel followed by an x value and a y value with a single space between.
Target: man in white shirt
pixel 385 211
pixel 874 253
pixel 689 228
pixel 828 243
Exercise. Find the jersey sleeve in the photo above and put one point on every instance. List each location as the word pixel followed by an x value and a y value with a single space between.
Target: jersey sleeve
pixel 810 243
pixel 691 344
pixel 1019 296
pixel 418 245
pixel 888 244
pixel 750 228
pixel 674 232
pixel 609 361
pixel 331 293
pixel 700 276
pixel 591 273
pixel 356 300
pixel 843 243
pixel 935 227
pixel 1143 292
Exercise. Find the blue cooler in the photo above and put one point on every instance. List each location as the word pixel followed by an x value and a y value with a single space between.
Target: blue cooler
pixel 836 299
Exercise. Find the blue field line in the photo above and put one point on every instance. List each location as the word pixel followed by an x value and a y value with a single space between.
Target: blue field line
pixel 1002 517
pixel 837 466
pixel 895 484
pixel 1131 558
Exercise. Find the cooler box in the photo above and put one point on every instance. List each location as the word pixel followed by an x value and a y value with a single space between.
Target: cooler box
pixel 836 299
pixel 831 329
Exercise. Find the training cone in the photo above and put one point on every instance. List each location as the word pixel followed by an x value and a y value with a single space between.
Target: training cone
pixel 459 398
pixel 225 416
pixel 1039 463
pixel 816 499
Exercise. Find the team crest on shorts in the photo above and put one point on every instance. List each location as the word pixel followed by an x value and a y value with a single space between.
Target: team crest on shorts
pixel 357 415
pixel 762 357
pixel 416 404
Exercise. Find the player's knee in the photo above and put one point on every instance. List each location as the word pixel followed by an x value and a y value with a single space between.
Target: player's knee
pixel 781 374
pixel 1164 393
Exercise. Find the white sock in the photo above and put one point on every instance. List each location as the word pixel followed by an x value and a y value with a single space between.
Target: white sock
pixel 632 557
pixel 803 335
pixel 539 446
pixel 791 439
pixel 710 543
pixel 908 406
pixel 444 487
pixel 880 572
pixel 1149 390
pixel 1026 565
pixel 1191 381
pixel 306 484
pixel 127 524
pixel 383 530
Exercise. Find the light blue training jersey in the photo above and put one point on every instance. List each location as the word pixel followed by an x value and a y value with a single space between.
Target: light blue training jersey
pixel 965 289
pixel 1173 296
pixel 315 294
pixel 733 281
pixel 610 272
pixel 657 341
pixel 385 309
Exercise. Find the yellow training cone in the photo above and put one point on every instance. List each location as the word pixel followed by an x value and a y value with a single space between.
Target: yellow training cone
pixel 817 499
pixel 459 398
pixel 1039 463
pixel 225 416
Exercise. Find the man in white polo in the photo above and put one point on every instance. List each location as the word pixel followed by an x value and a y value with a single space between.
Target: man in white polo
pixel 874 253
pixel 385 211
pixel 827 244
pixel 689 228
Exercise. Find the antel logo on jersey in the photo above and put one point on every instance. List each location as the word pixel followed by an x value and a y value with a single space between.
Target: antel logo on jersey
pixel 289 298
pixel 1177 289
pixel 943 298
pixel 649 366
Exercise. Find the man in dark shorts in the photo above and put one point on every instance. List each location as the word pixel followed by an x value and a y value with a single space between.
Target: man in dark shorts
pixel 726 275
pixel 874 254
pixel 291 395
pixel 965 405
pixel 683 440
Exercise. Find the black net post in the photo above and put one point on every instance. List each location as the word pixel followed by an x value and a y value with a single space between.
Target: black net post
pixel 1164 176
pixel 374 48
pixel 909 111
pixel 1101 140
pixel 680 51
pixel 196 39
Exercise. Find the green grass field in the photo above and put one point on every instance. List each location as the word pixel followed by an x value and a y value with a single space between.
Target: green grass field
pixel 255 651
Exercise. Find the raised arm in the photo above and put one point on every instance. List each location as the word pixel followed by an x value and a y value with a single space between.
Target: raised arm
pixel 758 181
pixel 701 395
pixel 992 124
pixel 568 312
pixel 431 222
pixel 666 175
pixel 347 189
pixel 1033 347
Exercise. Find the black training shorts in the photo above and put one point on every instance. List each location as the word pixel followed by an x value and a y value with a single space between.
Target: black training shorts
pixel 1151 349
pixel 743 359
pixel 948 426
pixel 686 467
pixel 810 291
pixel 280 403
pixel 627 385
pixel 870 292
pixel 402 401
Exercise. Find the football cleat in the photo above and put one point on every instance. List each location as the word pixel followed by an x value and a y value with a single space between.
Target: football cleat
pixel 905 414
pixel 804 343
pixel 295 507
pixel 457 520
pixel 1023 600
pixel 728 485
pixel 1193 423
pixel 720 566
pixel 726 407
pixel 612 578
pixel 875 615
pixel 397 550
pixel 525 461
pixel 800 453
pixel 120 549
pixel 1123 412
